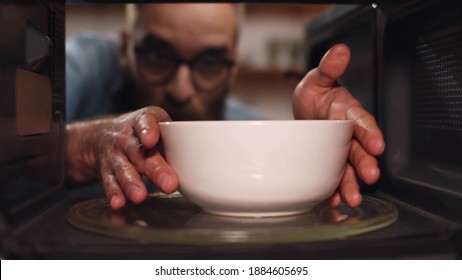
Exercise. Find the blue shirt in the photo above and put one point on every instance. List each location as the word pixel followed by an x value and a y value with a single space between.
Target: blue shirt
pixel 94 77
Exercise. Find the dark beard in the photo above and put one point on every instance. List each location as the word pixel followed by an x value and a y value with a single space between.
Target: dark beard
pixel 188 112
pixel 125 102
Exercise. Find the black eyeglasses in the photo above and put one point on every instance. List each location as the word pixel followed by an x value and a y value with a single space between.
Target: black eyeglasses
pixel 209 70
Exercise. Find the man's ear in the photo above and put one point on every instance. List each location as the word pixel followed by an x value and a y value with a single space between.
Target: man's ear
pixel 235 67
pixel 123 49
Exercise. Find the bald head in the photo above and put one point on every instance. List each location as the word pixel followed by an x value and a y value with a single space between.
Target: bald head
pixel 206 14
pixel 186 33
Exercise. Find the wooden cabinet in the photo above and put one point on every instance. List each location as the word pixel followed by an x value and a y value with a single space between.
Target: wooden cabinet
pixel 284 10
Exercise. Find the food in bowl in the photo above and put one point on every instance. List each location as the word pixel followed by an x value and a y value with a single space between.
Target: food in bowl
pixel 257 168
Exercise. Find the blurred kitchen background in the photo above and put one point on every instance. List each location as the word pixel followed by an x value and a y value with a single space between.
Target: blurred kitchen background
pixel 271 42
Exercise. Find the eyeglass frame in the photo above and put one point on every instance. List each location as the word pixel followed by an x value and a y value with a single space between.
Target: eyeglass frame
pixel 178 61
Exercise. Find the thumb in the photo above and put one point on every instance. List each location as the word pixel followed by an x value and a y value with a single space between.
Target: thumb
pixel 331 67
pixel 146 125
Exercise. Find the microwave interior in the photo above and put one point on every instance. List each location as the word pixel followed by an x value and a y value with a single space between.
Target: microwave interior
pixel 405 70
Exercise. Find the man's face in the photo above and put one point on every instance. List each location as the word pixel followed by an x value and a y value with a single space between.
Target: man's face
pixel 180 58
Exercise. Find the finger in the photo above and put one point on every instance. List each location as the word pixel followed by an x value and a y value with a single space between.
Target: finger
pixel 349 187
pixel 134 151
pixel 160 172
pixel 310 94
pixel 366 130
pixel 113 192
pixel 338 103
pixel 152 164
pixel 365 164
pixel 129 180
pixel 334 199
pixel 146 125
pixel 331 67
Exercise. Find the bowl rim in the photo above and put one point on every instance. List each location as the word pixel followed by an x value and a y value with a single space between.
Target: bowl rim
pixel 254 122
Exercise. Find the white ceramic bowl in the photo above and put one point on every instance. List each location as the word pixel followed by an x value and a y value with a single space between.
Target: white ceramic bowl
pixel 257 168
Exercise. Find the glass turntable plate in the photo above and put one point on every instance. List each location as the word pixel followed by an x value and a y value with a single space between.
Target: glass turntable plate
pixel 172 219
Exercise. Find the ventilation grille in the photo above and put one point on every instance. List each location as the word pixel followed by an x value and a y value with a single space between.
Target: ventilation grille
pixel 438 81
pixel 57 35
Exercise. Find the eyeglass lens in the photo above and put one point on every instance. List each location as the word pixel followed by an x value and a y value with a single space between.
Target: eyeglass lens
pixel 209 69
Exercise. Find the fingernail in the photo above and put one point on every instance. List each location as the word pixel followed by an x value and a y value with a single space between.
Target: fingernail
pixel 379 146
pixel 132 190
pixel 164 180
pixel 113 202
pixel 374 174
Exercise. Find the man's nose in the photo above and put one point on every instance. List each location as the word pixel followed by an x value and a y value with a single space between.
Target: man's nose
pixel 181 87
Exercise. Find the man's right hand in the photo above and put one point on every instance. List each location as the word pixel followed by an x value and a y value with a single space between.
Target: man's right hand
pixel 118 150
